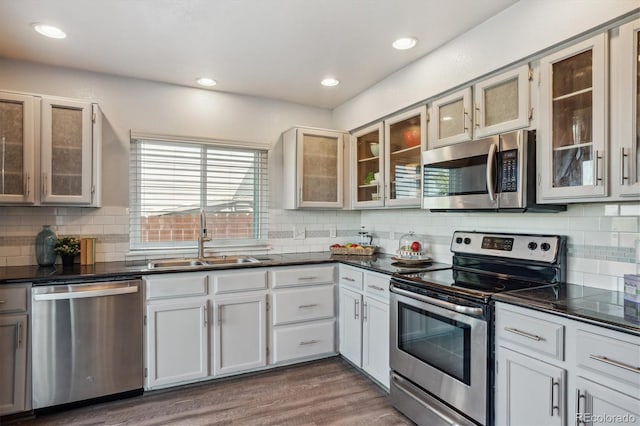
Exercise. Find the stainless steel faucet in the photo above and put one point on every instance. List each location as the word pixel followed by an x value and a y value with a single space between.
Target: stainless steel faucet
pixel 202 237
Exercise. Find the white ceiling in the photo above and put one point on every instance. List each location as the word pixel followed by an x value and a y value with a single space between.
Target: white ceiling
pixel 272 48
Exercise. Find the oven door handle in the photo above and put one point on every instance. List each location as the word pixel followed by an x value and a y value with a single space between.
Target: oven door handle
pixel 467 310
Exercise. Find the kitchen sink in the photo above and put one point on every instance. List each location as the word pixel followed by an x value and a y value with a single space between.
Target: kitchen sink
pixel 199 263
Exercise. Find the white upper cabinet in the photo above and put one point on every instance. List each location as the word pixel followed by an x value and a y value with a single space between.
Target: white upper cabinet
pixel 17 145
pixel 367 152
pixel 625 111
pixel 313 167
pixel 572 137
pixel 386 159
pixel 50 149
pixel 497 104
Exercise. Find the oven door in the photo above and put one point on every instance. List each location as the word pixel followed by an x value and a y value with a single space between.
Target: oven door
pixel 461 176
pixel 442 351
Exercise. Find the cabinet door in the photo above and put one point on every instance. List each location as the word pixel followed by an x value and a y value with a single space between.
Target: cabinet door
pixel 375 340
pixel 404 139
pixel 67 152
pixel 176 342
pixel 351 326
pixel 320 167
pixel 572 134
pixel 13 363
pixel 17 142
pixel 529 391
pixel 240 335
pixel 625 105
pixel 502 102
pixel 450 120
pixel 601 405
pixel 367 153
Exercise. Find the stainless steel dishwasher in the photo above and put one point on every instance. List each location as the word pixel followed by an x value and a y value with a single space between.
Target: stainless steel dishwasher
pixel 87 341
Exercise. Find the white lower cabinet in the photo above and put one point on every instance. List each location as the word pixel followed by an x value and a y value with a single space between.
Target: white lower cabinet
pixel 303 341
pixel 595 380
pixel 240 335
pixel 364 321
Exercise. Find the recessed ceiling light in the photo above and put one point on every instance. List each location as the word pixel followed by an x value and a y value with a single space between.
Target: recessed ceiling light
pixel 404 43
pixel 204 81
pixel 330 82
pixel 49 30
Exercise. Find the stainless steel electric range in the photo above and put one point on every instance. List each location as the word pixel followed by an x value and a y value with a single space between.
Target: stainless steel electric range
pixel 440 338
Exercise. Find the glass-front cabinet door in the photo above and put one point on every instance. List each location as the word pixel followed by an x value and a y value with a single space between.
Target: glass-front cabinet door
pixel 320 160
pixel 66 151
pixel 572 133
pixel 404 141
pixel 451 120
pixel 17 143
pixel 368 179
pixel 501 103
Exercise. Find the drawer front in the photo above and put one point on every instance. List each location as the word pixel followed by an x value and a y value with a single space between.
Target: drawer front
pixel 175 285
pixel 615 356
pixel 232 282
pixel 540 335
pixel 303 341
pixel 303 304
pixel 351 278
pixel 13 299
pixel 377 285
pixel 297 276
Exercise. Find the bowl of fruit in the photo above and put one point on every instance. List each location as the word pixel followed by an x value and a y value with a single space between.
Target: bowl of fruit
pixel 352 248
pixel 411 249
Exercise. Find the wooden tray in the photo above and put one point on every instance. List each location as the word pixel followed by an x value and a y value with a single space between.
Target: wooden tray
pixel 360 250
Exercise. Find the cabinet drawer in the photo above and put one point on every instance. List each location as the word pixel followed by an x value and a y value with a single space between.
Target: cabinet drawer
pixel 540 335
pixel 377 285
pixel 303 304
pixel 351 278
pixel 236 281
pixel 290 277
pixel 615 356
pixel 175 285
pixel 302 341
pixel 13 299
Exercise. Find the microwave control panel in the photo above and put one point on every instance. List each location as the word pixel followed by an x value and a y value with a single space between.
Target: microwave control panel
pixel 509 171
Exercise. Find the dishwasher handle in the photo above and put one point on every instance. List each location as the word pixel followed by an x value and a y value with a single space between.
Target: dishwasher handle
pixel 86 293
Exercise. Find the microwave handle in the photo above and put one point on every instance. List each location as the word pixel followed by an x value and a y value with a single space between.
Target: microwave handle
pixel 491 159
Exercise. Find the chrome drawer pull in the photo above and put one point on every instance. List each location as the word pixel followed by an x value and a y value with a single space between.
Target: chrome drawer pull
pixel 308 342
pixel 307 306
pixel 349 279
pixel 552 402
pixel 375 287
pixel 2 301
pixel 524 334
pixel 306 278
pixel 615 363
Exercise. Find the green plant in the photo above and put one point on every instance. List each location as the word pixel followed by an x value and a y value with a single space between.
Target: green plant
pixel 370 176
pixel 67 246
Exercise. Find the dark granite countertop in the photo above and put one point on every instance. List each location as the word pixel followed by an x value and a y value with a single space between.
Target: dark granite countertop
pixel 114 270
pixel 587 304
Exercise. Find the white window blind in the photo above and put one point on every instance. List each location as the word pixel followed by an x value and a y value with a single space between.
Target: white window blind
pixel 171 181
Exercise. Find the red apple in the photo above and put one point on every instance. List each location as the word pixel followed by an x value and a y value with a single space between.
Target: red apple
pixel 415 246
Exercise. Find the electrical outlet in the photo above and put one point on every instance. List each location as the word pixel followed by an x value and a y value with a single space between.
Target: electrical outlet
pixel 298 232
pixel 333 232
pixel 392 235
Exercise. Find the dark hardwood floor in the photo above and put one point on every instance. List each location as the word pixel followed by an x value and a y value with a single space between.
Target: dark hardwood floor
pixel 325 392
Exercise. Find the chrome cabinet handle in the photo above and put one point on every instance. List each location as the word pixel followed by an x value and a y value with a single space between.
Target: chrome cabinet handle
pixel 27 190
pixel 311 305
pixel 615 363
pixel 597 163
pixel 623 156
pixel 19 335
pixel 308 342
pixel 356 305
pixel 552 404
pixel 490 177
pixel 44 184
pixel 524 334
pixel 349 279
pixel 306 278
pixel 2 301
pixel 466 118
pixel 579 419
pixel 476 115
pixel 205 317
pixel 468 310
pixel 375 287
pixel 364 311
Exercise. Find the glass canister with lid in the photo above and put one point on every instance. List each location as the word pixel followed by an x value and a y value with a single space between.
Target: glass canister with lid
pixel 412 247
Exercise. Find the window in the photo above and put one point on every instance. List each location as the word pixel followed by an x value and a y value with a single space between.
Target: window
pixel 171 181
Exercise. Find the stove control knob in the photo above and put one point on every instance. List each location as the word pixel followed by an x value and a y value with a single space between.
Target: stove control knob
pixel 458 240
pixel 533 245
pixel 467 240
pixel 545 246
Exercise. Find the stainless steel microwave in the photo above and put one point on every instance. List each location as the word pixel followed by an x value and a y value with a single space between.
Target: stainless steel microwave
pixel 497 173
